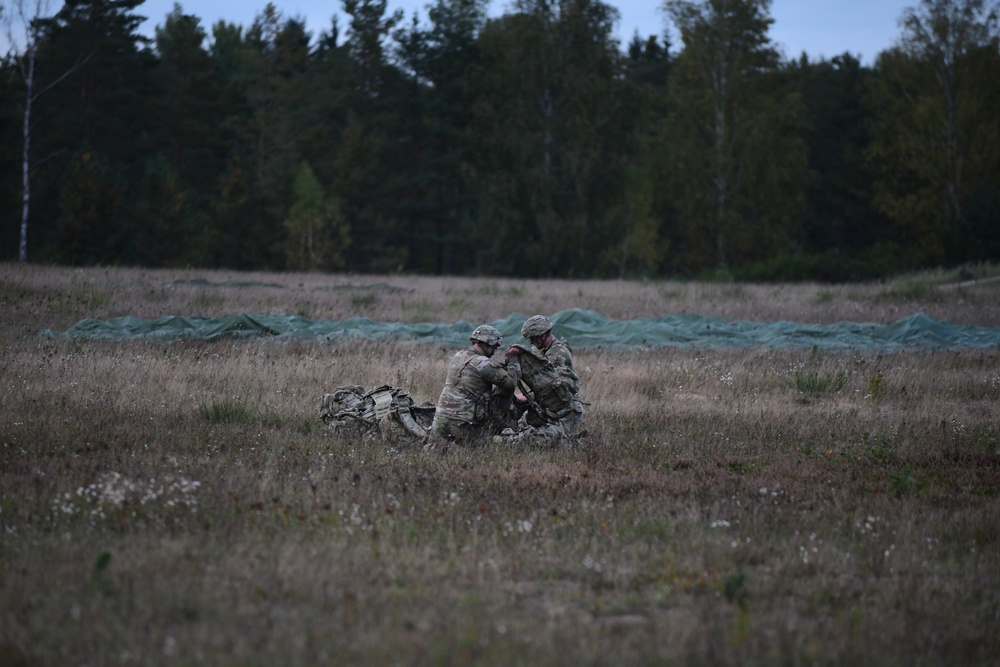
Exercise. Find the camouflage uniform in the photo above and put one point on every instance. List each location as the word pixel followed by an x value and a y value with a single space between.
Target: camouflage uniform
pixel 468 400
pixel 557 393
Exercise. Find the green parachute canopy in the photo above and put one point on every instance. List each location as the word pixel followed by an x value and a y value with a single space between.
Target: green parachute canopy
pixel 580 328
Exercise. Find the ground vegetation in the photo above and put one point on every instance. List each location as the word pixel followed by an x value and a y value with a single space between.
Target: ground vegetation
pixel 183 503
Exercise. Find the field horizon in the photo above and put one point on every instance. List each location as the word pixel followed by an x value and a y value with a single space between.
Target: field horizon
pixel 182 503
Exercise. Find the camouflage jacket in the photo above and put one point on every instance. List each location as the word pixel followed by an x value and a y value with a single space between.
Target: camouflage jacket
pixel 555 386
pixel 470 382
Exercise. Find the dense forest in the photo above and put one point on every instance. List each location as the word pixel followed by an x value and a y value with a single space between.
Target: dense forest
pixel 530 144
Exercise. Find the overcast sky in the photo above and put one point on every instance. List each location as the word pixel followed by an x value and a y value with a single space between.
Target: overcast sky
pixel 821 28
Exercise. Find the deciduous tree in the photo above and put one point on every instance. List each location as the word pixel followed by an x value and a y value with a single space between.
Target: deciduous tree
pixel 22 22
pixel 736 156
pixel 318 239
pixel 938 143
pixel 552 131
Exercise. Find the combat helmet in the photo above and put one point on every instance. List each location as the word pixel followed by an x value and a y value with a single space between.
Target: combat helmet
pixel 536 325
pixel 487 335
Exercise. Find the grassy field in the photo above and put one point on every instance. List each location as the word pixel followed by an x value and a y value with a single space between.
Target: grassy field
pixel 182 504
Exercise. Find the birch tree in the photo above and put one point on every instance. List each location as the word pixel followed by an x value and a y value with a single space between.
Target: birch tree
pixel 736 154
pixel 551 125
pixel 938 134
pixel 20 19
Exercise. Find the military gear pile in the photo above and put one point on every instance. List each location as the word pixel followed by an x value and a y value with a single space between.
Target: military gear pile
pixel 385 411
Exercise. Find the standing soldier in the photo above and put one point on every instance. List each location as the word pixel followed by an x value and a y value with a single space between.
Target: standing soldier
pixel 477 388
pixel 548 372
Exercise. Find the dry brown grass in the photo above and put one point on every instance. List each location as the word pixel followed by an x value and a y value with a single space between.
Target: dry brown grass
pixel 182 504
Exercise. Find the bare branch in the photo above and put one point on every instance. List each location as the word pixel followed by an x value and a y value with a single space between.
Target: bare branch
pixel 80 62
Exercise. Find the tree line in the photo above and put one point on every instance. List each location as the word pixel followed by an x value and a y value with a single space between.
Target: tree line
pixel 529 144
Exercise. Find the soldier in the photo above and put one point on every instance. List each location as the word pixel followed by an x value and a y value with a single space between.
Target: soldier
pixel 477 389
pixel 557 409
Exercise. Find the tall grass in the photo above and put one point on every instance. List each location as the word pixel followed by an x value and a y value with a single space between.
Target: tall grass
pixel 182 504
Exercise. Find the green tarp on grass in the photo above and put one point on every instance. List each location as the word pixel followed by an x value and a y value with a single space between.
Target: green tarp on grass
pixel 580 328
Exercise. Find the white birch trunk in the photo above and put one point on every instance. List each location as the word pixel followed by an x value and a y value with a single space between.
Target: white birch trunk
pixel 29 82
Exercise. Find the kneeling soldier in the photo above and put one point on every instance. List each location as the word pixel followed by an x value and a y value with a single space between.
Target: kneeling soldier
pixel 554 385
pixel 476 389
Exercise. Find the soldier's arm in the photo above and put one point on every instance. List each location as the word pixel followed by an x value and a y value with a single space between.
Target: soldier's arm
pixel 503 376
pixel 562 360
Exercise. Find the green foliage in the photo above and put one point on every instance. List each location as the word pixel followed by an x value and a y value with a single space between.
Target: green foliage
pixel 162 217
pixel 938 144
pixel 98 99
pixel 228 412
pixel 734 588
pixel 224 241
pixel 530 143
pixel 732 140
pixel 876 262
pixel 878 447
pixel 91 202
pixel 875 385
pixel 839 220
pixel 639 249
pixel 816 383
pixel 101 564
pixel 236 411
pixel 903 482
pixel 356 187
pixel 550 138
pixel 318 237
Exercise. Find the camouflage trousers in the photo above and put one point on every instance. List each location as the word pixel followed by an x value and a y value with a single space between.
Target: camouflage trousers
pixel 456 431
pixel 548 434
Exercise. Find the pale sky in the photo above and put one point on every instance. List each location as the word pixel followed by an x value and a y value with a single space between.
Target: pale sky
pixel 821 28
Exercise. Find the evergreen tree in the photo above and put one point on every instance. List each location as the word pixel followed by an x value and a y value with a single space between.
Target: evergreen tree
pixel 11 168
pixel 443 62
pixel 279 53
pixel 90 200
pixel 529 144
pixel 189 128
pixel 368 31
pixel 102 108
pixel 225 239
pixel 224 243
pixel 366 169
pixel 842 236
pixel 326 93
pixel 837 133
pixel 162 217
pixel 640 247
